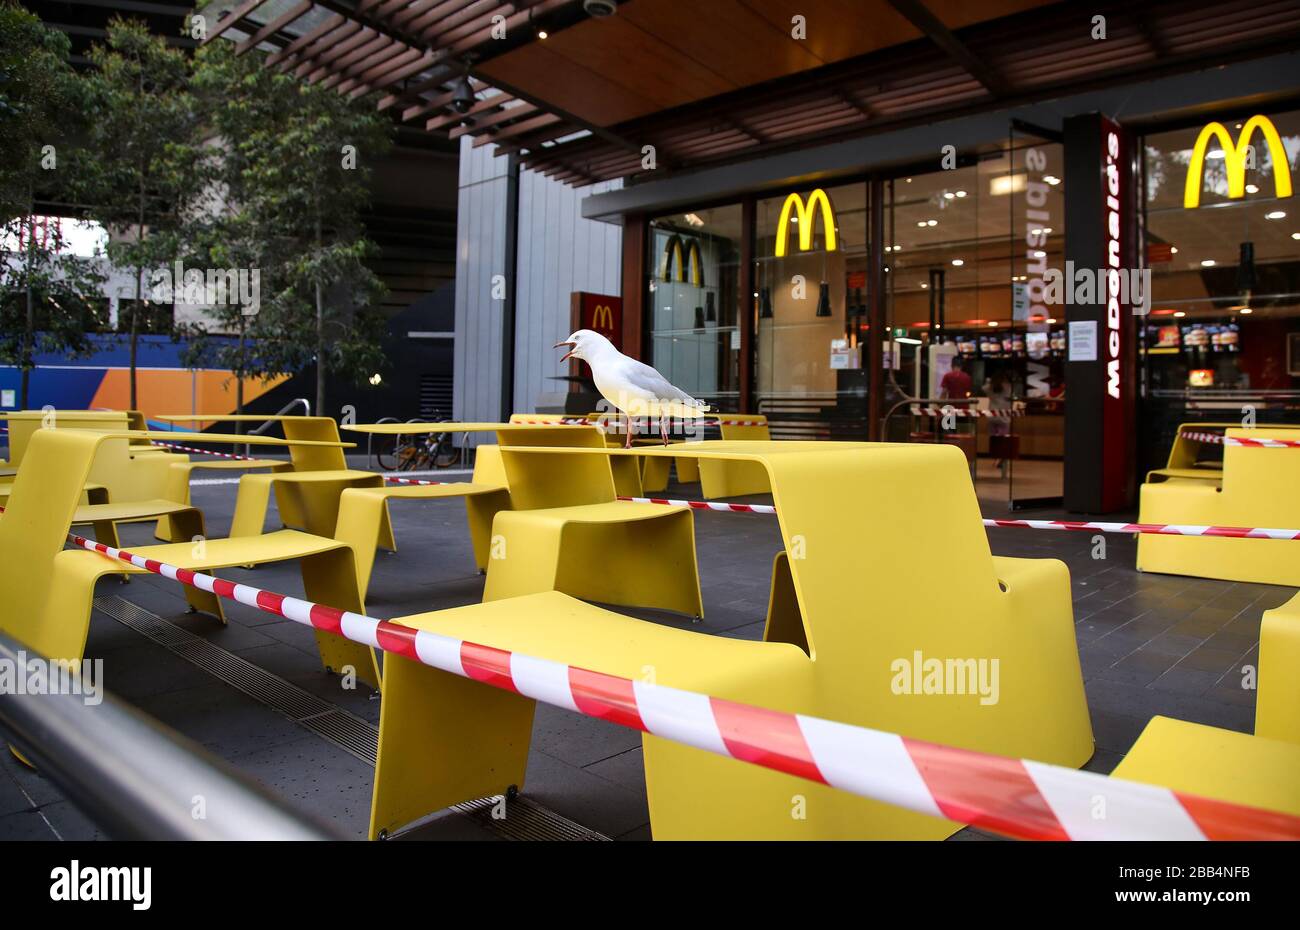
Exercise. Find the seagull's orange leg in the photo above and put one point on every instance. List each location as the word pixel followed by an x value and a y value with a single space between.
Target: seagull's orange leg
pixel 628 426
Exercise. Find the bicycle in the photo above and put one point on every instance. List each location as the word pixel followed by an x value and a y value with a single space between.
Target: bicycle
pixel 417 452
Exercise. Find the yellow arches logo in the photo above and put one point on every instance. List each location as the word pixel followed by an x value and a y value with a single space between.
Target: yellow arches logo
pixel 1235 159
pixel 673 259
pixel 806 215
pixel 602 318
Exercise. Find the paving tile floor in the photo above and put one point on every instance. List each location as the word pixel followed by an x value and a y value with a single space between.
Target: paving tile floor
pixel 1149 644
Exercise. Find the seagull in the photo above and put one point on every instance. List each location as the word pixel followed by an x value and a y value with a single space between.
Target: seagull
pixel 631 386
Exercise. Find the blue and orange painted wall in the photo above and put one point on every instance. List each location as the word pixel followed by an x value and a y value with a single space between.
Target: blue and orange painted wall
pixel 163 384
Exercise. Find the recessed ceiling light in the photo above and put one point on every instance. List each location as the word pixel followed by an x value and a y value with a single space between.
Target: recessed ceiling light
pixel 1216 155
pixel 921 224
pixel 957 262
pixel 1051 179
pixel 1173 250
pixel 1207 263
pixel 1180 313
pixel 1295 235
pixel 1275 215
pixel 924 286
pixel 931 222
pixel 960 193
pixel 1246 310
pixel 993 322
pixel 1040 254
pixel 1051 319
pixel 1252 188
pixel 948 195
pixel 541 34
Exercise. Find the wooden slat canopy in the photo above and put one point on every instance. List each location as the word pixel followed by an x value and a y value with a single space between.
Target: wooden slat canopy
pixel 705 81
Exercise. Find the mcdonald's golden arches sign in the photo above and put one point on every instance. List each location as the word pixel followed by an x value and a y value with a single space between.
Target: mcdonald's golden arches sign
pixel 1235 157
pixel 805 214
pixel 678 254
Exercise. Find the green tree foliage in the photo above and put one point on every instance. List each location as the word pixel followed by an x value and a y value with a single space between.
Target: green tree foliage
pixel 307 178
pixel 48 297
pixel 142 154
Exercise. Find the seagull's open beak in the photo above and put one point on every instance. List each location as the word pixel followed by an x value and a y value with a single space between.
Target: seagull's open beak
pixel 569 354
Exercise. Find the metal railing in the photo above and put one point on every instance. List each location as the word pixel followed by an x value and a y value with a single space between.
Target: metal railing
pixel 306 408
pixel 134 777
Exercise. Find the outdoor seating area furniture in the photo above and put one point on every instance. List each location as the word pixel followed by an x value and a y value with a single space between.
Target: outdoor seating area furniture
pixel 446 739
pixel 23 423
pixel 307 496
pixel 363 510
pixel 627 474
pixel 1262 769
pixel 576 536
pixel 735 479
pixel 49 589
pixel 1257 489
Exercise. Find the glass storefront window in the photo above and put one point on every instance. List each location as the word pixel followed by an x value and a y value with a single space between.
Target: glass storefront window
pixel 811 291
pixel 693 269
pixel 966 251
pixel 1222 338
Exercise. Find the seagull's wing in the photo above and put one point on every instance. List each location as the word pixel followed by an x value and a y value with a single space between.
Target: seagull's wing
pixel 644 378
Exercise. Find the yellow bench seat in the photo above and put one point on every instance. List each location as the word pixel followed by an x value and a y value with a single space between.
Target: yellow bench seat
pixel 363 513
pixel 1195 474
pixel 328 578
pixel 1216 763
pixel 634 555
pixel 433 748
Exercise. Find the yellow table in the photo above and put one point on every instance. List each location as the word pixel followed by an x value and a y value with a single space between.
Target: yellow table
pixel 862 527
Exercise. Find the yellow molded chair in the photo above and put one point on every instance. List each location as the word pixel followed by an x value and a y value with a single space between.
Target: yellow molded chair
pixel 627 472
pixel 1185 455
pixel 24 423
pixel 566 531
pixel 736 479
pixel 860 604
pixel 308 496
pixel 1262 770
pixel 362 511
pixel 1258 490
pixel 48 590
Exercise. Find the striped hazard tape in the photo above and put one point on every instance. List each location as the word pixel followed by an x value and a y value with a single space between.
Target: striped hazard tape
pixel 220 455
pixel 1219 439
pixel 1159 529
pixel 1015 797
pixel 918 410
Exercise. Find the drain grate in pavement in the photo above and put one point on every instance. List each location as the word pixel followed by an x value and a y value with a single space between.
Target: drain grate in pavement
pixel 527 819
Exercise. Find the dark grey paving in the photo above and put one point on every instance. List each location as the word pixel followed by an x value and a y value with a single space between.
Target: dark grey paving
pixel 1148 645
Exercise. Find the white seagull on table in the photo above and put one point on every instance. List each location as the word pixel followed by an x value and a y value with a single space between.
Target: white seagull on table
pixel 631 386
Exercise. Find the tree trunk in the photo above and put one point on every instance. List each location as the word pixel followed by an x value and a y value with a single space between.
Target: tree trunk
pixel 29 330
pixel 239 378
pixel 139 294
pixel 320 333
pixel 320 353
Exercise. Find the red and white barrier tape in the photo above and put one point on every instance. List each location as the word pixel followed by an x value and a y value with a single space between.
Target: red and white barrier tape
pixel 612 420
pixel 220 455
pixel 1219 439
pixel 1158 529
pixel 933 411
pixel 1016 797
pixel 704 505
pixel 396 480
